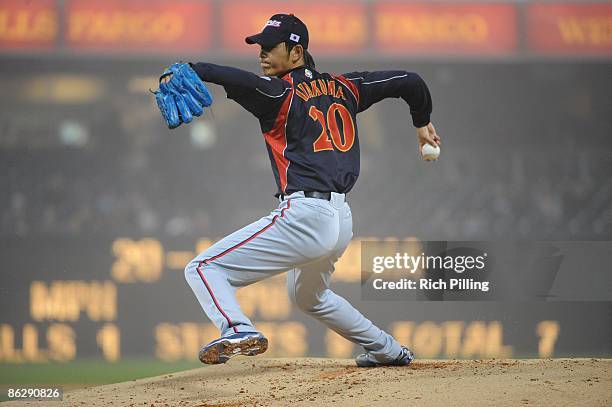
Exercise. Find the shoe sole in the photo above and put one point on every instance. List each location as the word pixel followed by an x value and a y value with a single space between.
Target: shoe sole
pixel 372 364
pixel 225 349
pixel 369 363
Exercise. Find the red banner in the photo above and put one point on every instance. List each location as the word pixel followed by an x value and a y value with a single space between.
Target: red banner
pixel 28 24
pixel 570 28
pixel 445 28
pixel 336 27
pixel 333 27
pixel 138 25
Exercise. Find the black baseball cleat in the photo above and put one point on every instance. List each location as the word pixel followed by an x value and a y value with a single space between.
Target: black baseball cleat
pixel 240 343
pixel 367 360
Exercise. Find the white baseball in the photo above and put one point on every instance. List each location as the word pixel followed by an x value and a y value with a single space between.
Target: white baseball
pixel 430 153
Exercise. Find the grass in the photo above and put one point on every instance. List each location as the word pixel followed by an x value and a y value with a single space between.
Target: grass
pixel 84 373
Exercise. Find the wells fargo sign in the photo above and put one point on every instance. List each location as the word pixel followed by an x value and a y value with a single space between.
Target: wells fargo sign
pixel 333 27
pixel 426 28
pixel 337 27
pixel 146 26
pixel 570 28
pixel 31 24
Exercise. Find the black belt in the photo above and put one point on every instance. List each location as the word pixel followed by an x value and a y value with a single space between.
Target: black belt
pixel 313 194
pixel 318 195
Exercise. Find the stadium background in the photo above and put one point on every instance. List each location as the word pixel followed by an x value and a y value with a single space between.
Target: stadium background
pixel 102 206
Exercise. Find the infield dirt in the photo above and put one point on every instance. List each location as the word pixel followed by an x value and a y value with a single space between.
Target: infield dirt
pixel 259 381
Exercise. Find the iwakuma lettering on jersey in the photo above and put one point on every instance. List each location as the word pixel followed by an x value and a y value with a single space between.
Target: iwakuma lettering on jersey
pixel 319 87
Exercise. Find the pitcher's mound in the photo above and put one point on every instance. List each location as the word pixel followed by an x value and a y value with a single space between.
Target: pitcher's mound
pixel 258 381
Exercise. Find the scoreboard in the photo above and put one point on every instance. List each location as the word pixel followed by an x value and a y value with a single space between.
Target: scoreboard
pixel 63 299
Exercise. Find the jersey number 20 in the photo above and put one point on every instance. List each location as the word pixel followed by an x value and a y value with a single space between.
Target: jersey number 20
pixel 342 143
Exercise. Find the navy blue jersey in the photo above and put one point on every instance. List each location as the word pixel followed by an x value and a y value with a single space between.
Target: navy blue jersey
pixel 308 119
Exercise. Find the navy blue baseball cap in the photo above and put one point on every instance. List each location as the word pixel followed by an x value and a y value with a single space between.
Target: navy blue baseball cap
pixel 281 28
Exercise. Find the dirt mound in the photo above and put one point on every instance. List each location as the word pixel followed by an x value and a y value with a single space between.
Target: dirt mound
pixel 260 381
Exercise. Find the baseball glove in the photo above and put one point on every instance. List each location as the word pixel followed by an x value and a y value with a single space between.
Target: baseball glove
pixel 182 96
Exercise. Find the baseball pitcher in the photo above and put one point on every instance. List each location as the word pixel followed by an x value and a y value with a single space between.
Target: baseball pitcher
pixel 308 121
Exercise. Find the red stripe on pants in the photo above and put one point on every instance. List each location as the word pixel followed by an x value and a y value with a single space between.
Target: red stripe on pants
pixel 207 261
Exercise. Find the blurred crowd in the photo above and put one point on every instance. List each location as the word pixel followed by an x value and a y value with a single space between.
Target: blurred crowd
pixel 525 154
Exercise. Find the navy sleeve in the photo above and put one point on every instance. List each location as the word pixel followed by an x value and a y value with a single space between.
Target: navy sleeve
pixel 378 85
pixel 260 95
